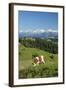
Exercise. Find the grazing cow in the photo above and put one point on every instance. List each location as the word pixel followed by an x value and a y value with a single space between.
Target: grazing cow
pixel 41 59
pixel 38 60
pixel 35 61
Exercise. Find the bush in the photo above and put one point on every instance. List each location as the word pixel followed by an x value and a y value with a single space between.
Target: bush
pixel 40 71
pixel 52 56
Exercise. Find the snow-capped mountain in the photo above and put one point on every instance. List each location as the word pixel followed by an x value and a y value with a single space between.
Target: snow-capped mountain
pixel 38 34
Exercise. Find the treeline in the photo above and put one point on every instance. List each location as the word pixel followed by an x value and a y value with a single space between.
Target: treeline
pixel 43 44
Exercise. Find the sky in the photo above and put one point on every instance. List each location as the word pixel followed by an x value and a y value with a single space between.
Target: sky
pixel 36 22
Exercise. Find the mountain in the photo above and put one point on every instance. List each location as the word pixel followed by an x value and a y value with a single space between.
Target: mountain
pixel 38 35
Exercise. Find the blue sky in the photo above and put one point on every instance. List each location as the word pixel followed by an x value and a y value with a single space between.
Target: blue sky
pixel 30 21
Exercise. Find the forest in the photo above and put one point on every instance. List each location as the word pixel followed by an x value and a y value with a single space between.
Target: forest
pixel 50 45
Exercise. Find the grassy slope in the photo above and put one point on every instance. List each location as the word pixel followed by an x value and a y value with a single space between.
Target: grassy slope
pixel 25 57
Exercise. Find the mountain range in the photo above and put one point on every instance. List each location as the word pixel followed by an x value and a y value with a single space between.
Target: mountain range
pixel 38 35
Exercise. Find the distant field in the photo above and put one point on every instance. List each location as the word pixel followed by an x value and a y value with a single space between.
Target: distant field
pixel 26 69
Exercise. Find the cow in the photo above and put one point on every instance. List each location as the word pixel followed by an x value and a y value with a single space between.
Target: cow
pixel 41 59
pixel 38 60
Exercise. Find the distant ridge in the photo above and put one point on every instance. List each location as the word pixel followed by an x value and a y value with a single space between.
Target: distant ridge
pixel 39 35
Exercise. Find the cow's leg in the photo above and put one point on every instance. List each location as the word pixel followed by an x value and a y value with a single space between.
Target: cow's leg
pixel 43 62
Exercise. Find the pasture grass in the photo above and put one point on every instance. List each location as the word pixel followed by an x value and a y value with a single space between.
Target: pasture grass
pixel 27 70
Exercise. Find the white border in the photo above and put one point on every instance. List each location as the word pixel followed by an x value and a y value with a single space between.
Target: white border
pixel 60 46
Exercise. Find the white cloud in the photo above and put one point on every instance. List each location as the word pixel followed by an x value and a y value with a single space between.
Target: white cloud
pixel 50 30
pixel 20 31
pixel 24 31
pixel 37 31
pixel 42 30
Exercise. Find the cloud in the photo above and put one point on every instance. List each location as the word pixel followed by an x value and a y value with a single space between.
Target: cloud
pixel 38 31
pixel 20 31
pixel 50 30
pixel 24 31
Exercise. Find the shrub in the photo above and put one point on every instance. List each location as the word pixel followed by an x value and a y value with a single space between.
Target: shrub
pixel 51 56
pixel 40 71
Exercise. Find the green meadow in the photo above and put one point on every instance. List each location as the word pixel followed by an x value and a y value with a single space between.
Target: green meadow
pixel 26 68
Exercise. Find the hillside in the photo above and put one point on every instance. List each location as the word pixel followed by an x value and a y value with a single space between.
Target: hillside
pixel 25 62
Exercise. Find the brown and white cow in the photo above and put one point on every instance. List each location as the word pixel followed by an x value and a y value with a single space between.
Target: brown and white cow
pixel 38 60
